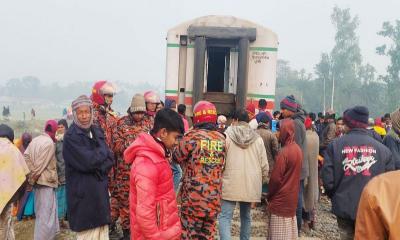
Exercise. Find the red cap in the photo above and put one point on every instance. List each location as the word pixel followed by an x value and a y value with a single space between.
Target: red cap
pixel 308 123
pixel 204 111
pixel 378 122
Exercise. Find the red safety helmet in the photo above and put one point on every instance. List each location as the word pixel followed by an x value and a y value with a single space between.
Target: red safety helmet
pixel 204 111
pixel 100 88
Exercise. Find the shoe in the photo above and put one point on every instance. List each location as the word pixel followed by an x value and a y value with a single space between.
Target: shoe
pixel 312 225
pixel 306 227
pixel 127 235
pixel 64 224
pixel 113 232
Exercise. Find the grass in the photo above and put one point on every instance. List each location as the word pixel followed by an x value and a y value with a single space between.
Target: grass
pixel 34 127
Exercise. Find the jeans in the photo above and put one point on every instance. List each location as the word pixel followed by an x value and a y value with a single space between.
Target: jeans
pixel 177 172
pixel 225 220
pixel 299 210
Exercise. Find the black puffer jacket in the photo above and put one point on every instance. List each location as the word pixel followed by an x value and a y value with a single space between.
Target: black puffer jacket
pixel 60 160
pixel 350 163
pixel 392 141
pixel 300 139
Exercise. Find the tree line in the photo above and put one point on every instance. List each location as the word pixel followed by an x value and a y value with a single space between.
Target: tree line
pixel 341 79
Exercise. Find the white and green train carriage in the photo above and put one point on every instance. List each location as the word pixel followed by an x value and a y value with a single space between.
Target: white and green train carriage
pixel 221 59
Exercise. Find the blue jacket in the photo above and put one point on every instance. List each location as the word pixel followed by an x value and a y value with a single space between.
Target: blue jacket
pixel 87 163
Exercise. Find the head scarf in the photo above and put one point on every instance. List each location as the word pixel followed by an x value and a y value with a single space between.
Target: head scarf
pixel 51 128
pixel 82 100
pixel 26 139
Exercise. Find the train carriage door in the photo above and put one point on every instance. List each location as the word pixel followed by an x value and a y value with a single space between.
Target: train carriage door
pixel 217 72
pixel 221 65
pixel 233 66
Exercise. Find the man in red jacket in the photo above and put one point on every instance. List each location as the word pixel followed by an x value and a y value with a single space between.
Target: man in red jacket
pixel 284 185
pixel 153 208
pixel 128 128
pixel 105 118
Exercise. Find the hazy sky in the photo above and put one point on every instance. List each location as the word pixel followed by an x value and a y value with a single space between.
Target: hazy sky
pixel 86 40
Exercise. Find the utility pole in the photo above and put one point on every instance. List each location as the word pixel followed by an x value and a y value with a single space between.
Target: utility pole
pixel 333 89
pixel 324 107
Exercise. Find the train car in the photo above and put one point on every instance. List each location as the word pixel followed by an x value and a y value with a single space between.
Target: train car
pixel 221 59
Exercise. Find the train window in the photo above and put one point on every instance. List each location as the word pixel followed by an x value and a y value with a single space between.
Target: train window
pixel 218 69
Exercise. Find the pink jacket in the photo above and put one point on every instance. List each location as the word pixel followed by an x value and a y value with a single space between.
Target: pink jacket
pixel 185 123
pixel 153 208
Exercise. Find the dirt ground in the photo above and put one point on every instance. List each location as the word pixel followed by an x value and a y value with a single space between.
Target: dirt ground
pixel 326 226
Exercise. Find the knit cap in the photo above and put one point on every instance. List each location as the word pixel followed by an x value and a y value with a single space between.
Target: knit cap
pixel 289 103
pixel 82 100
pixel 138 104
pixel 356 117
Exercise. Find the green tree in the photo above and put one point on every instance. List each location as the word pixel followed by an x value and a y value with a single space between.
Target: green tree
pixel 345 58
pixel 392 50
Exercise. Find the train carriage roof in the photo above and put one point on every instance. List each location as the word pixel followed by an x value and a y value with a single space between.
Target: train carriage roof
pixel 221 21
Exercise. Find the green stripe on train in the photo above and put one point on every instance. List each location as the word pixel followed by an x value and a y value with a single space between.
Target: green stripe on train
pixel 253 95
pixel 176 45
pixel 263 49
pixel 176 92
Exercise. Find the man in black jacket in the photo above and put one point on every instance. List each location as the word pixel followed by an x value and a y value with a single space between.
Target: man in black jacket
pixel 291 109
pixel 392 139
pixel 329 132
pixel 350 162
pixel 88 161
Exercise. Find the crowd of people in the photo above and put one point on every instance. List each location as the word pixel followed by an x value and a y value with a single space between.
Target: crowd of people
pixel 156 173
